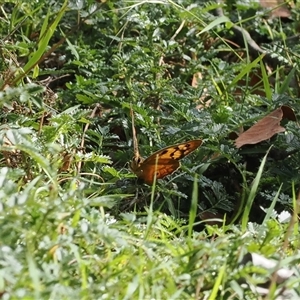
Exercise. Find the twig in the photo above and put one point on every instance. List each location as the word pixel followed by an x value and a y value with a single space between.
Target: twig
pixel 97 108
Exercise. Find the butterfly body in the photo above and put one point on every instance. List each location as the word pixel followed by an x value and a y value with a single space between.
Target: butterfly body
pixel 162 162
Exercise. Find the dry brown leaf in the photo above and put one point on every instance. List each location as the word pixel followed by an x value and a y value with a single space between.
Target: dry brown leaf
pixel 288 113
pixel 279 8
pixel 67 160
pixel 263 130
pixel 196 78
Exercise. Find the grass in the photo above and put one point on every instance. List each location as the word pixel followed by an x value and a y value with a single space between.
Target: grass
pixel 75 222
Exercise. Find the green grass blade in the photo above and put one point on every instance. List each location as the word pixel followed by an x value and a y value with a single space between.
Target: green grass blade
pixel 150 210
pixel 45 36
pixel 244 71
pixel 253 192
pixel 265 78
pixel 286 82
pixel 44 29
pixel 217 284
pixel 34 274
pixel 193 209
pixel 215 23
pixel 271 208
pixel 295 210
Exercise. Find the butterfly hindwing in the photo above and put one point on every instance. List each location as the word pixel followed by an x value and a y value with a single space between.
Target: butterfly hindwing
pixel 163 168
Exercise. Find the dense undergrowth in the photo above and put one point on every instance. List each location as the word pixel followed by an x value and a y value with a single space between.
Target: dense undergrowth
pixel 76 222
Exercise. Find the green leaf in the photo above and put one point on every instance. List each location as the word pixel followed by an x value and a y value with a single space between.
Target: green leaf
pixel 216 22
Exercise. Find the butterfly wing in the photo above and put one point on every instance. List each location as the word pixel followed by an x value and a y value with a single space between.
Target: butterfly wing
pixel 163 168
pixel 178 151
pixel 165 161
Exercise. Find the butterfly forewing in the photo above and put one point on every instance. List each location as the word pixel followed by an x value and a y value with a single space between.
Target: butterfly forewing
pixel 164 162
pixel 175 152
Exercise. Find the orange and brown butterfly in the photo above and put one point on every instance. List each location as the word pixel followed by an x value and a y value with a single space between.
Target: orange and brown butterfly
pixel 162 162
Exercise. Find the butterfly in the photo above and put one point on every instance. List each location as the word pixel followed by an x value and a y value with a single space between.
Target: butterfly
pixel 162 162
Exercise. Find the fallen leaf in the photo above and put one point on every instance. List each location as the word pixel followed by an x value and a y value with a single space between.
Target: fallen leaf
pixel 263 130
pixel 288 113
pixel 279 8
